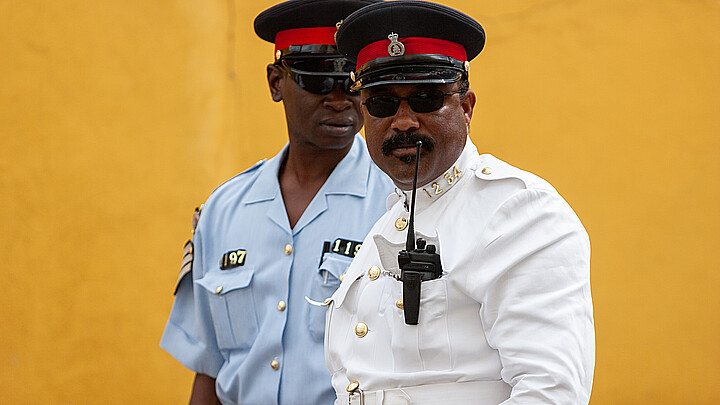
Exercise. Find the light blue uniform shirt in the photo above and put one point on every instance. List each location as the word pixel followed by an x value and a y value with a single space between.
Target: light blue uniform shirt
pixel 227 323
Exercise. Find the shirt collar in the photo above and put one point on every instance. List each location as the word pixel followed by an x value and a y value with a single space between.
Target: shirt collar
pixel 350 176
pixel 440 186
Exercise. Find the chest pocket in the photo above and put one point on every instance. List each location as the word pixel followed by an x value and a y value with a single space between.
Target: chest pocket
pixel 327 280
pixel 232 306
pixel 427 345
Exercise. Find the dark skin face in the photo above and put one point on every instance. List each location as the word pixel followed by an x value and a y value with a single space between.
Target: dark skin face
pixel 445 131
pixel 327 121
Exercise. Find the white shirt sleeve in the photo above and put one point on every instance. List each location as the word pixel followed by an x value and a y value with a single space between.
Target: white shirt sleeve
pixel 537 311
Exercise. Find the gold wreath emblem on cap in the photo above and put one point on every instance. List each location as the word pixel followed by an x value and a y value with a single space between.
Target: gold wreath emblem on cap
pixel 396 48
pixel 337 27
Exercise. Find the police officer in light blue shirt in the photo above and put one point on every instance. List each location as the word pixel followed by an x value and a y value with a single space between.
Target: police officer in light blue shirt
pixel 283 232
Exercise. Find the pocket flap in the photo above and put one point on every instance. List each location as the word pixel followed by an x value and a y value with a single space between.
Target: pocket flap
pixel 223 281
pixel 335 264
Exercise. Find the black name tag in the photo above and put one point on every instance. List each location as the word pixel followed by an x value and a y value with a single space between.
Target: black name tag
pixel 233 258
pixel 343 247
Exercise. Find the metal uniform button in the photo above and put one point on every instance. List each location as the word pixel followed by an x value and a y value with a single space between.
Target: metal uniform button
pixel 400 304
pixel 401 223
pixel 342 277
pixel 361 329
pixel 327 300
pixel 281 306
pixel 352 386
pixel 274 364
pixel 288 249
pixel 486 170
pixel 218 290
pixel 374 272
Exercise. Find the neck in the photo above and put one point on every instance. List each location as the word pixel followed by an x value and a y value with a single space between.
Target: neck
pixel 309 164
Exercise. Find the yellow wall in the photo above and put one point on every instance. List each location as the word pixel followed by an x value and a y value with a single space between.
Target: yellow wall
pixel 118 117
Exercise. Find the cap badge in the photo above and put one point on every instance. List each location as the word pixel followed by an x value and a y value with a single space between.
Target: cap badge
pixel 339 64
pixel 396 48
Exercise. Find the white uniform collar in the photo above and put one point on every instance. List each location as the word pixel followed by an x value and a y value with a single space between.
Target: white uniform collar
pixel 440 186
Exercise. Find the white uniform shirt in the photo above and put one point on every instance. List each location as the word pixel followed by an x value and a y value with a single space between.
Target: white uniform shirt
pixel 513 303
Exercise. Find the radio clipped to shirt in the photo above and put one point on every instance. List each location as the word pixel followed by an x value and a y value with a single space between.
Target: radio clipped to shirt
pixel 416 264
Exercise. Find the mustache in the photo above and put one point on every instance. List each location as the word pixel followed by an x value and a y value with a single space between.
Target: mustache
pixel 404 139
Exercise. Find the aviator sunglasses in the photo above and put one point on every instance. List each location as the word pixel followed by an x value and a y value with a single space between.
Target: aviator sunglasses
pixel 421 102
pixel 318 83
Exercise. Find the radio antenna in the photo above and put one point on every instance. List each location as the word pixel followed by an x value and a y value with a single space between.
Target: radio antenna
pixel 410 244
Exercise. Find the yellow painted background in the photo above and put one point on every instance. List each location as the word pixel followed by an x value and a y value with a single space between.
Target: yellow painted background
pixel 118 117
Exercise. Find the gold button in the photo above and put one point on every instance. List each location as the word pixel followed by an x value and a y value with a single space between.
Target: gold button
pixel 374 272
pixel 399 303
pixel 400 223
pixel 486 170
pixel 361 329
pixel 342 277
pixel 281 306
pixel 278 54
pixel 288 249
pixel 274 364
pixel 327 300
pixel 352 386
pixel 218 290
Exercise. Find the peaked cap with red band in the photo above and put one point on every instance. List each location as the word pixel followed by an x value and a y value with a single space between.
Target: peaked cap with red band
pixel 409 42
pixel 305 28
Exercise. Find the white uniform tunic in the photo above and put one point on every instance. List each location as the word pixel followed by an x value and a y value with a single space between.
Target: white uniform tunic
pixel 513 307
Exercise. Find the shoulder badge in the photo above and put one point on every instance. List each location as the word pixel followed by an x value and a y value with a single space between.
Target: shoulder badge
pixel 188 251
pixel 396 48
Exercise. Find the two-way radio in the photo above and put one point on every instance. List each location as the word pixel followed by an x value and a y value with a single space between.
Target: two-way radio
pixel 416 264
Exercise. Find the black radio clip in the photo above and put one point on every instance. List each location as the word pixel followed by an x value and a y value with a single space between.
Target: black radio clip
pixel 416 264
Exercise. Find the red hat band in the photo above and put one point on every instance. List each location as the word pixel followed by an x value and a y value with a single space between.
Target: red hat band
pixel 410 46
pixel 305 36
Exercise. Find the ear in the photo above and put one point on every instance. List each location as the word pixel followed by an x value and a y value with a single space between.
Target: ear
pixel 275 82
pixel 468 105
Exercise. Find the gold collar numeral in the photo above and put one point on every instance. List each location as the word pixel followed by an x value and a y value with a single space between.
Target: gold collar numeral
pixel 450 177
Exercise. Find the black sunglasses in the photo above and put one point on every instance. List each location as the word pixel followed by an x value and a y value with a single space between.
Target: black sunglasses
pixel 319 83
pixel 421 102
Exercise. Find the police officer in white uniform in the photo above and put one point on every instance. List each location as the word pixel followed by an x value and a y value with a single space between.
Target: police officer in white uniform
pixel 493 306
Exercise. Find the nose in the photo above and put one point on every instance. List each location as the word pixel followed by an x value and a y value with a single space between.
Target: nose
pixel 405 119
pixel 337 99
